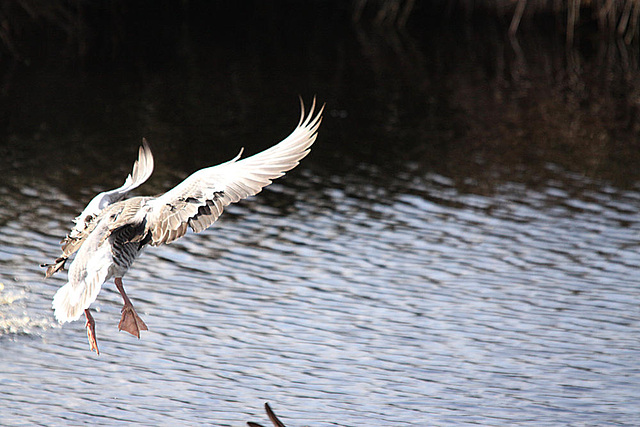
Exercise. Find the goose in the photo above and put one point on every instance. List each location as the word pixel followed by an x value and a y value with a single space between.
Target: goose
pixel 114 229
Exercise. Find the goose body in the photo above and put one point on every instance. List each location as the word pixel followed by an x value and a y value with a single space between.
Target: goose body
pixel 113 230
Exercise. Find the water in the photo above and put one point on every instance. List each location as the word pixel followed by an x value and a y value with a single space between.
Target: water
pixel 481 277
pixel 343 309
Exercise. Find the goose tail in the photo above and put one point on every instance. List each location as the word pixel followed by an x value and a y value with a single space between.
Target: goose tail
pixel 72 299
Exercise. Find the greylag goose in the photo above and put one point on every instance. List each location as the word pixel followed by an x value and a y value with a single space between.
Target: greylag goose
pixel 113 230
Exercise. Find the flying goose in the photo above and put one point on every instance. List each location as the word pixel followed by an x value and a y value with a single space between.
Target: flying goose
pixel 113 230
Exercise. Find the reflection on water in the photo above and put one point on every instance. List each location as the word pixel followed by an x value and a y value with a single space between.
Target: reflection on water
pixel 452 252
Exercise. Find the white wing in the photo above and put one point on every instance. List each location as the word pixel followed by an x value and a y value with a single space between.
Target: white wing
pixel 198 201
pixel 142 169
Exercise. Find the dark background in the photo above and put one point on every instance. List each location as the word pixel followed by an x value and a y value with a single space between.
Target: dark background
pixel 441 84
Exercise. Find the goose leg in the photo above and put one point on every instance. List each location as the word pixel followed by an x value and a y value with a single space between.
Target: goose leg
pixel 130 321
pixel 91 331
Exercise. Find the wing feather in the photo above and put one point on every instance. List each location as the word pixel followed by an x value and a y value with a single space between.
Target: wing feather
pixel 200 199
pixel 86 221
pixel 142 170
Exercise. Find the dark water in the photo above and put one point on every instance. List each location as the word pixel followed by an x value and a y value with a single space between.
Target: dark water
pixel 461 247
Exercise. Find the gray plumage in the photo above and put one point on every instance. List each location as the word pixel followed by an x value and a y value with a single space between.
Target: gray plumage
pixel 109 239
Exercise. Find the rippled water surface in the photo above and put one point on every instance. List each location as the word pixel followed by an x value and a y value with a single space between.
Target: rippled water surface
pixel 350 304
pixel 452 252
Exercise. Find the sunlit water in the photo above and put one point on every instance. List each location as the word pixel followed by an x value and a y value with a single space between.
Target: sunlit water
pixel 343 300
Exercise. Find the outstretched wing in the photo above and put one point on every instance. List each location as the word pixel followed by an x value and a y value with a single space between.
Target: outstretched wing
pixel 86 221
pixel 199 200
pixel 142 169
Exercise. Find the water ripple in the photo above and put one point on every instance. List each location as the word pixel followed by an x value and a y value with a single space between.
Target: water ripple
pixel 409 305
